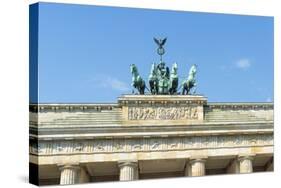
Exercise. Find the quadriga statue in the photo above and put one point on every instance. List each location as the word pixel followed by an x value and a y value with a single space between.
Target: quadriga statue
pixel 161 80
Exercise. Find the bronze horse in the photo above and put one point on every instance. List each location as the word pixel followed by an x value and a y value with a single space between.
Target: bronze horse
pixel 137 81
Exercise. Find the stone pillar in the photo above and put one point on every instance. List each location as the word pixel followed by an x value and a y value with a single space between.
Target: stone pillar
pixel 69 174
pixel 128 170
pixel 246 164
pixel 198 166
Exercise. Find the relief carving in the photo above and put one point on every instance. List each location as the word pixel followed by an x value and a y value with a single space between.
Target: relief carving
pixel 237 140
pixel 253 141
pixel 79 147
pixel 118 146
pixel 205 141
pixel 155 145
pixel 174 146
pixel 99 146
pixel 137 147
pixel 163 113
pixel 39 149
pixel 59 148
pixel 160 144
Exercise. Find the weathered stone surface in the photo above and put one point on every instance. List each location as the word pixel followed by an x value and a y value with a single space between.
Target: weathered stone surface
pixel 69 174
pixel 198 166
pixel 246 163
pixel 149 136
pixel 149 144
pixel 128 170
pixel 151 108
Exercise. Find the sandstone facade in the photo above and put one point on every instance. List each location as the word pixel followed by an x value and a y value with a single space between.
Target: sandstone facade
pixel 144 136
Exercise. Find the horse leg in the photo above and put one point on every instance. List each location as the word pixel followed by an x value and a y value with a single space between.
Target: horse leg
pixel 171 90
pixel 138 89
pixel 142 88
pixel 194 91
pixel 151 86
pixel 188 88
pixel 184 88
pixel 154 88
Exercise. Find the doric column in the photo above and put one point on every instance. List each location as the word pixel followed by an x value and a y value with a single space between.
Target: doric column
pixel 246 164
pixel 128 170
pixel 198 166
pixel 69 174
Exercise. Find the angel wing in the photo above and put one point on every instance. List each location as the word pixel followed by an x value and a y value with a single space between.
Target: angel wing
pixel 163 41
pixel 156 41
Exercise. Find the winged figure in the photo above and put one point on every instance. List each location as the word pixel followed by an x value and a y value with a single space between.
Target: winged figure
pixel 160 42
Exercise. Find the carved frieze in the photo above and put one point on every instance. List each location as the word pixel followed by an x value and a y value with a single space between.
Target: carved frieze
pixel 148 144
pixel 163 113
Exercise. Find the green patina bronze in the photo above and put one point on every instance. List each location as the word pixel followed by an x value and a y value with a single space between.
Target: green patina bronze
pixel 190 82
pixel 161 81
pixel 137 81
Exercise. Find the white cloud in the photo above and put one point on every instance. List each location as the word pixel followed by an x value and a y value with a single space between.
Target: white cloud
pixel 243 64
pixel 110 82
pixel 116 84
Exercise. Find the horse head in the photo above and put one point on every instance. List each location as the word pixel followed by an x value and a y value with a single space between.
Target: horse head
pixel 134 69
pixel 174 68
pixel 192 71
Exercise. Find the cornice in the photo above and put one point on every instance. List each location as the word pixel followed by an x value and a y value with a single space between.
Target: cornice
pixel 151 131
pixel 68 107
pixel 163 100
pixel 240 106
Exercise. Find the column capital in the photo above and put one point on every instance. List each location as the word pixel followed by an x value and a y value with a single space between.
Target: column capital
pixel 246 156
pixel 246 163
pixel 193 159
pixel 69 173
pixel 128 170
pixel 133 163
pixel 74 166
pixel 197 164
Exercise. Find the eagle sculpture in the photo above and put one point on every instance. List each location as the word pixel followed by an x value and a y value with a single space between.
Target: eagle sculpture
pixel 160 42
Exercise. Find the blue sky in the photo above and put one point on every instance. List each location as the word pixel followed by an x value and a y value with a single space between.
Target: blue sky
pixel 85 52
